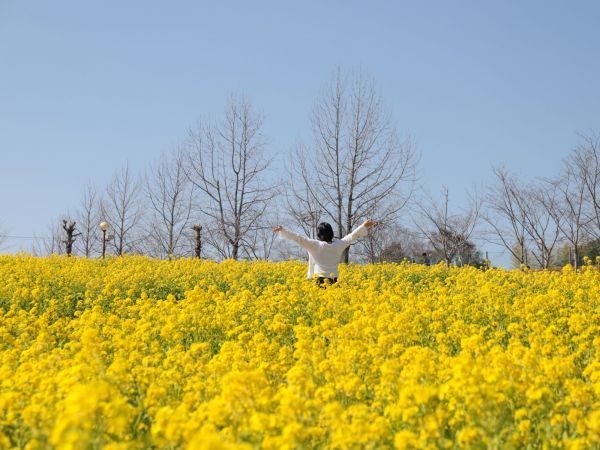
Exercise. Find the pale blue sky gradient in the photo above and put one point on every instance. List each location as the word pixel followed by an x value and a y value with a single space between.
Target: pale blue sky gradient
pixel 85 86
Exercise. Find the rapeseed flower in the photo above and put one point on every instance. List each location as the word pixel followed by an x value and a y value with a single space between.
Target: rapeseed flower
pixel 133 353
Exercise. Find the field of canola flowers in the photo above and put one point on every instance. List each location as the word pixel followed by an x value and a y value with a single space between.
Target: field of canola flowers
pixel 134 353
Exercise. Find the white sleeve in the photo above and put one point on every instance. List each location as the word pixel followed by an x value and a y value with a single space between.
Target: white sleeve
pixel 302 241
pixel 311 267
pixel 357 233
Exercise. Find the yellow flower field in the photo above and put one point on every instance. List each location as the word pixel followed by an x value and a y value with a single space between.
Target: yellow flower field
pixel 134 353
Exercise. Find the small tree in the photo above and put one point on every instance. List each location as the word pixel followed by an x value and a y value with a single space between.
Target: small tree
pixel 170 197
pixel 585 163
pixel 505 217
pixel 70 236
pixel 122 208
pixel 448 233
pixel 52 242
pixel 387 242
pixel 404 245
pixel 88 219
pixel 542 221
pixel 198 236
pixel 568 210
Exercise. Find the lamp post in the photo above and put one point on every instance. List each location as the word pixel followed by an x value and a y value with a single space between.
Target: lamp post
pixel 104 227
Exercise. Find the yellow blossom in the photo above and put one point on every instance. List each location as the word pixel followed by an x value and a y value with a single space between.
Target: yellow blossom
pixel 134 353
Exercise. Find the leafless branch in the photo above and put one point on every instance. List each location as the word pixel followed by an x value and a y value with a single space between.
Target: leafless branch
pixel 226 164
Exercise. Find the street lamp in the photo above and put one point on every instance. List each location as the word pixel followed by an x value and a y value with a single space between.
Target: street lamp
pixel 104 226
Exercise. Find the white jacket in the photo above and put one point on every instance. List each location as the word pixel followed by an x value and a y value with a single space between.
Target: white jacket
pixel 324 257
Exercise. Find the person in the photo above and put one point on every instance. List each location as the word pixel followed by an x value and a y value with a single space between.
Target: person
pixel 325 252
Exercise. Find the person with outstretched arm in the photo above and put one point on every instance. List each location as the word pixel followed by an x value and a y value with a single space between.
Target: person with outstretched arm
pixel 325 252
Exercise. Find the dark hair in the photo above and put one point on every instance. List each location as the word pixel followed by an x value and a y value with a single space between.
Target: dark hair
pixel 325 232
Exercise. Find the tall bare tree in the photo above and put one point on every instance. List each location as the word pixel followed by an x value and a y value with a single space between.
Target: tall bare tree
pixel 448 233
pixel 585 163
pixel 170 197
pixel 504 215
pixel 569 208
pixel 88 220
pixel 542 221
pixel 228 166
pixel 302 203
pixel 357 165
pixel 122 208
pixel 524 217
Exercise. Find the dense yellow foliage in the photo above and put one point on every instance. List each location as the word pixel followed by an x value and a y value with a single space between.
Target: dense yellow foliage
pixel 136 353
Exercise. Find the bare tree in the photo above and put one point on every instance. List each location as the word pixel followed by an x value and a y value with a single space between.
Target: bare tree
pixel 356 165
pixel 227 165
pixel 301 196
pixel 52 241
pixel 389 241
pixel 170 196
pixel 523 215
pixel 448 233
pixel 569 207
pixel 123 210
pixel 260 245
pixel 70 235
pixel 542 221
pixel 88 220
pixel 585 164
pixel 198 241
pixel 505 216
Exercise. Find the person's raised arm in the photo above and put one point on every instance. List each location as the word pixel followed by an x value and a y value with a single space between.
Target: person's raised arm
pixel 302 241
pixel 359 232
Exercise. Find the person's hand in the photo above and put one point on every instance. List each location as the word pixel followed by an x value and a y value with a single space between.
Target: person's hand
pixel 370 223
pixel 277 228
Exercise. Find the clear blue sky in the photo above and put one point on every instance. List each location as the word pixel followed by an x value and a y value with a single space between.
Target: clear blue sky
pixel 85 86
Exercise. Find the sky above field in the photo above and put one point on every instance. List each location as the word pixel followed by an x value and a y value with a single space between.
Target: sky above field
pixel 87 86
